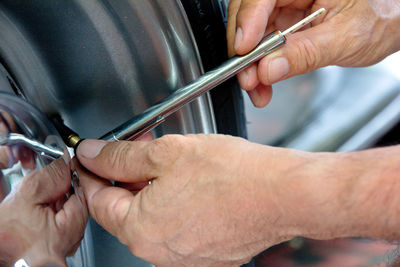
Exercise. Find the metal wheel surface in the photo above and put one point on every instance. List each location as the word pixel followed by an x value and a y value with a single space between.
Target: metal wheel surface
pixel 96 64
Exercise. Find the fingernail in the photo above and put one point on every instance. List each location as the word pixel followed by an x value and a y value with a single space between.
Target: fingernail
pixel 243 79
pixel 91 148
pixel 238 38
pixel 278 68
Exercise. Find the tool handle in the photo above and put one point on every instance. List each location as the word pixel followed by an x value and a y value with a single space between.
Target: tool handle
pixel 155 115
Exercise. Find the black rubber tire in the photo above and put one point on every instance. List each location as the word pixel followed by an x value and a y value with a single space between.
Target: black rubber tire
pixel 208 27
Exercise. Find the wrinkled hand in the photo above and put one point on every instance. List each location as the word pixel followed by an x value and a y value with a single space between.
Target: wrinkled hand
pixel 209 202
pixel 218 200
pixel 37 221
pixel 353 33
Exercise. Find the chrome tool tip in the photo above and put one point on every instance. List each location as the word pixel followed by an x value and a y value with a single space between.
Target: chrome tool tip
pixel 304 22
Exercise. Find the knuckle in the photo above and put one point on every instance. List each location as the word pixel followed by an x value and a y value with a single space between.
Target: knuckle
pixel 31 184
pixel 58 171
pixel 123 208
pixel 165 150
pixel 308 56
pixel 54 177
pixel 119 156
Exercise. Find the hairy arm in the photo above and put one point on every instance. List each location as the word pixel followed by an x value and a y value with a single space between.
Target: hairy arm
pixel 219 200
pixel 334 195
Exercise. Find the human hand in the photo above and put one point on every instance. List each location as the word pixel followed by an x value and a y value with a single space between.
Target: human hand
pixel 218 200
pixel 351 34
pixel 213 201
pixel 208 203
pixel 38 223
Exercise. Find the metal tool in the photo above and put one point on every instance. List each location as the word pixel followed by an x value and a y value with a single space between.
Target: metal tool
pixel 19 139
pixel 155 115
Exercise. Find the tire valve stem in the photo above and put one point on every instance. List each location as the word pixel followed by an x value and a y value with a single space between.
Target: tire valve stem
pixel 70 138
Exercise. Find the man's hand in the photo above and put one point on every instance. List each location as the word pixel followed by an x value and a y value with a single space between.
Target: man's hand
pixel 38 223
pixel 218 200
pixel 353 33
pixel 208 203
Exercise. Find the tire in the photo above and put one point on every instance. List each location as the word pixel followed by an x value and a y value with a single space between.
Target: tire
pixel 208 27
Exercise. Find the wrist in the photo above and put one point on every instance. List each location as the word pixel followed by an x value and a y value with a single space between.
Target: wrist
pixel 36 258
pixel 374 199
pixel 326 196
pixel 285 193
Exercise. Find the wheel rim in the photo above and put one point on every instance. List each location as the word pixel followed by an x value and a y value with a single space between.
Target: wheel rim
pixel 97 63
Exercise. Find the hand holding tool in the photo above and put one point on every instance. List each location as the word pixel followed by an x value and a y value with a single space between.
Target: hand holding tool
pixel 155 115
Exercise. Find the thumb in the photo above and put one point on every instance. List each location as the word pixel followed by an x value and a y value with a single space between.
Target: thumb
pixel 303 52
pixel 251 22
pixel 119 161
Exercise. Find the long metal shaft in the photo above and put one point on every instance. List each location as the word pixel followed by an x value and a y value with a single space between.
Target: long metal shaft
pixel 155 115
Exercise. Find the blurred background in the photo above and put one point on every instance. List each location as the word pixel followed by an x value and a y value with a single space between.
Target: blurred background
pixel 331 109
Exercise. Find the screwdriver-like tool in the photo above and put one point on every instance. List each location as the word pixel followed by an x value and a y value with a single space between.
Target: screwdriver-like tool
pixel 155 115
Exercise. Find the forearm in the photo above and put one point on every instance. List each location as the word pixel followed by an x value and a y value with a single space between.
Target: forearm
pixel 330 195
pixel 372 193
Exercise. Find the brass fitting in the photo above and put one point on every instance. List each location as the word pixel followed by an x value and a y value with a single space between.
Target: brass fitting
pixel 73 140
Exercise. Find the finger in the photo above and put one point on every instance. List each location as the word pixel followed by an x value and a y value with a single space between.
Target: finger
pixel 303 52
pixel 146 137
pixel 108 205
pixel 119 161
pixel 25 156
pixel 132 186
pixel 248 78
pixel 261 95
pixel 49 184
pixel 72 219
pixel 233 9
pixel 298 4
pixel 4 158
pixel 251 22
pixel 59 204
pixel 286 17
pixel 73 250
